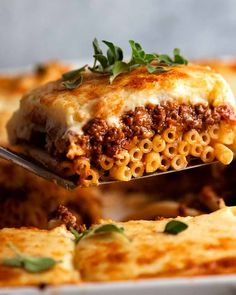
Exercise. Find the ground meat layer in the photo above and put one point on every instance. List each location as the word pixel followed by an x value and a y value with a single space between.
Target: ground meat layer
pixel 100 138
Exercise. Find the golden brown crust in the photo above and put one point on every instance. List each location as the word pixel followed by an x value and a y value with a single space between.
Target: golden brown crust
pixel 35 242
pixel 95 97
pixel 206 247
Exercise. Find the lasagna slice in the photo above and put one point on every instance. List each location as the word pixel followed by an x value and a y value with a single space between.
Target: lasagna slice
pixel 140 123
pixel 55 246
pixel 184 246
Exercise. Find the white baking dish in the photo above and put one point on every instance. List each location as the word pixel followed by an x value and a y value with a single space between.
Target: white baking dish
pixel 217 285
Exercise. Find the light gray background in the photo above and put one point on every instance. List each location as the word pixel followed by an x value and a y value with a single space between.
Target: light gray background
pixel 37 30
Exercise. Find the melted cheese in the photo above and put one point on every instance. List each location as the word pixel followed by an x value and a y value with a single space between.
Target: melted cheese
pixel 207 246
pixel 57 243
pixel 95 97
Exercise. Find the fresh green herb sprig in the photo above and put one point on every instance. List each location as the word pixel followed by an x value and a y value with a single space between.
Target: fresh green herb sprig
pixel 112 63
pixel 174 227
pixel 30 264
pixel 100 229
pixel 73 79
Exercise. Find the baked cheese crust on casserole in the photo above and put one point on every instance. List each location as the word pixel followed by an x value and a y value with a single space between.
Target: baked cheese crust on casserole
pixel 112 251
pixel 13 86
pixel 56 244
pixel 189 246
pixel 140 123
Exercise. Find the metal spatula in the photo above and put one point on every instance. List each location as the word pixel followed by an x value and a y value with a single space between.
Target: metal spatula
pixel 45 172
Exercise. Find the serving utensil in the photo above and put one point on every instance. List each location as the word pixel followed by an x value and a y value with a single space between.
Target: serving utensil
pixel 43 171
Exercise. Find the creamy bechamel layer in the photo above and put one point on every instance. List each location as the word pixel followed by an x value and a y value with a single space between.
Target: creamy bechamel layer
pixel 54 107
pixel 57 244
pixel 207 246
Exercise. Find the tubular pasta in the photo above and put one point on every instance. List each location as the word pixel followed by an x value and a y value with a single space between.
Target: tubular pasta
pixel 123 158
pixel 106 162
pixel 205 138
pixel 92 177
pixel 179 162
pixel 145 145
pixel 121 173
pixel 158 144
pixel 135 154
pixel 226 134
pixel 137 169
pixel 214 131
pixel 153 162
pixel 81 165
pixel 208 154
pixel 184 148
pixel 223 153
pixel 165 163
pixel 171 150
pixel 196 150
pixel 170 135
pixel 192 136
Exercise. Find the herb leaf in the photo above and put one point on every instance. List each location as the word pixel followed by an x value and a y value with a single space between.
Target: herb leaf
pixel 102 59
pixel 13 261
pixel 112 63
pixel 38 264
pixel 74 84
pixel 96 47
pixel 156 69
pixel 74 74
pixel 73 79
pixel 175 226
pixel 77 235
pixel 109 228
pixel 178 59
pixel 114 53
pixel 118 68
pixel 103 228
pixel 28 263
pixel 138 54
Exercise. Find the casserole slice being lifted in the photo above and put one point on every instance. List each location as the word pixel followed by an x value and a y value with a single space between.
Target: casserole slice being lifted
pixel 122 120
